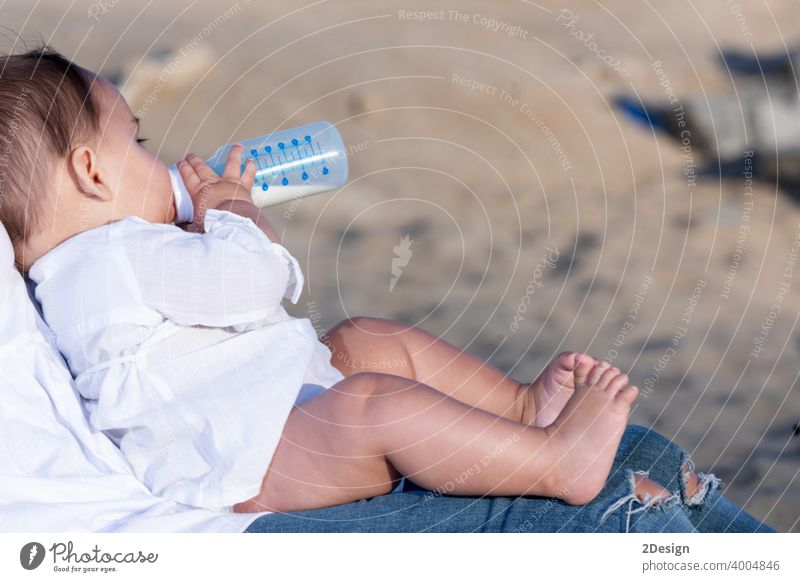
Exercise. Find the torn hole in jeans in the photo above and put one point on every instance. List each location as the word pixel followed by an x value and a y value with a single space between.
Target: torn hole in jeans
pixel 636 505
pixel 706 482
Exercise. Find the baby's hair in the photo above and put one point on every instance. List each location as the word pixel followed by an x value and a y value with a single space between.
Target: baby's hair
pixel 46 105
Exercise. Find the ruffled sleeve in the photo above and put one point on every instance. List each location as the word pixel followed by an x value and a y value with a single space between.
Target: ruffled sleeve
pixel 231 275
pixel 240 230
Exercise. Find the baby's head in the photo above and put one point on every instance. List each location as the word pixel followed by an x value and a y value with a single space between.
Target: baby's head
pixel 71 157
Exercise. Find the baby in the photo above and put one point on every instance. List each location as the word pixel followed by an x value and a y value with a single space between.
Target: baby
pixel 185 357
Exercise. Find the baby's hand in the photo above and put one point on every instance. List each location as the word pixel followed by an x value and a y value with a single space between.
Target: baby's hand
pixel 208 190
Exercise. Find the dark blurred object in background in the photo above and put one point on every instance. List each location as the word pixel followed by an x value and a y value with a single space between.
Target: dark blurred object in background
pixel 759 119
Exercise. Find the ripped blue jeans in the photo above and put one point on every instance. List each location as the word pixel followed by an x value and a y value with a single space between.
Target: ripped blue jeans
pixel 645 452
pixel 616 509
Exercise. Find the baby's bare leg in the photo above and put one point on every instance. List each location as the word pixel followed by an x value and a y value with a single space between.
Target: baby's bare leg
pixel 355 440
pixel 373 344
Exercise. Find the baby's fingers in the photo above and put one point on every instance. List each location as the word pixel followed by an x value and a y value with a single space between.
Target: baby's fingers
pixel 189 175
pixel 249 174
pixel 233 165
pixel 203 170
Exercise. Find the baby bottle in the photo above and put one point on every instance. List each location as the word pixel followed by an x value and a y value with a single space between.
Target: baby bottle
pixel 290 164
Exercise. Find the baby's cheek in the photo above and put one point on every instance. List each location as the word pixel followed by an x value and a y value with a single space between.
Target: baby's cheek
pixel 157 178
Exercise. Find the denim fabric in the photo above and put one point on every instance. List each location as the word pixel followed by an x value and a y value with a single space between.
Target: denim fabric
pixel 412 509
pixel 642 449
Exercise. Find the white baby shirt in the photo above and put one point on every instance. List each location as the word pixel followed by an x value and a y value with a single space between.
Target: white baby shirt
pixel 181 349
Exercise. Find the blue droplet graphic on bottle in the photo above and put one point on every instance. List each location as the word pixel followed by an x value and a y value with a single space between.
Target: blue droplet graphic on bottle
pixel 287 164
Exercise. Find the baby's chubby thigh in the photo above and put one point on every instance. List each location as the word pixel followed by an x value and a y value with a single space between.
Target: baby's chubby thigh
pixel 327 454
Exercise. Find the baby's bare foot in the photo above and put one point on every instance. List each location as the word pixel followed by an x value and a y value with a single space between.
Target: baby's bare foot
pixel 556 384
pixel 586 434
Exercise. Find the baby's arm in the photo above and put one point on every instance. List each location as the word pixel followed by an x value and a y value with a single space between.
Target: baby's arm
pixel 229 275
pixel 247 209
pixel 229 268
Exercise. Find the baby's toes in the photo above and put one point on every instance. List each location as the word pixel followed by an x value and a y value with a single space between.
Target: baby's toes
pixel 596 372
pixel 604 365
pixel 585 363
pixel 605 379
pixel 566 360
pixel 626 396
pixel 616 384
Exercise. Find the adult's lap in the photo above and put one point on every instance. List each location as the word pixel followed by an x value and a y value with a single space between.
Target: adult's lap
pixel 417 510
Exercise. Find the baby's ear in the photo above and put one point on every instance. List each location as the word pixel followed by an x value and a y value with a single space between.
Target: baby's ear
pixel 89 178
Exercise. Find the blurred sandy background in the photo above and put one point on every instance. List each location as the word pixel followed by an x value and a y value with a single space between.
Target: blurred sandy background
pixel 529 196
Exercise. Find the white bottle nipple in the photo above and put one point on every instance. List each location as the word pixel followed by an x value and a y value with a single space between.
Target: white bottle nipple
pixel 183 202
